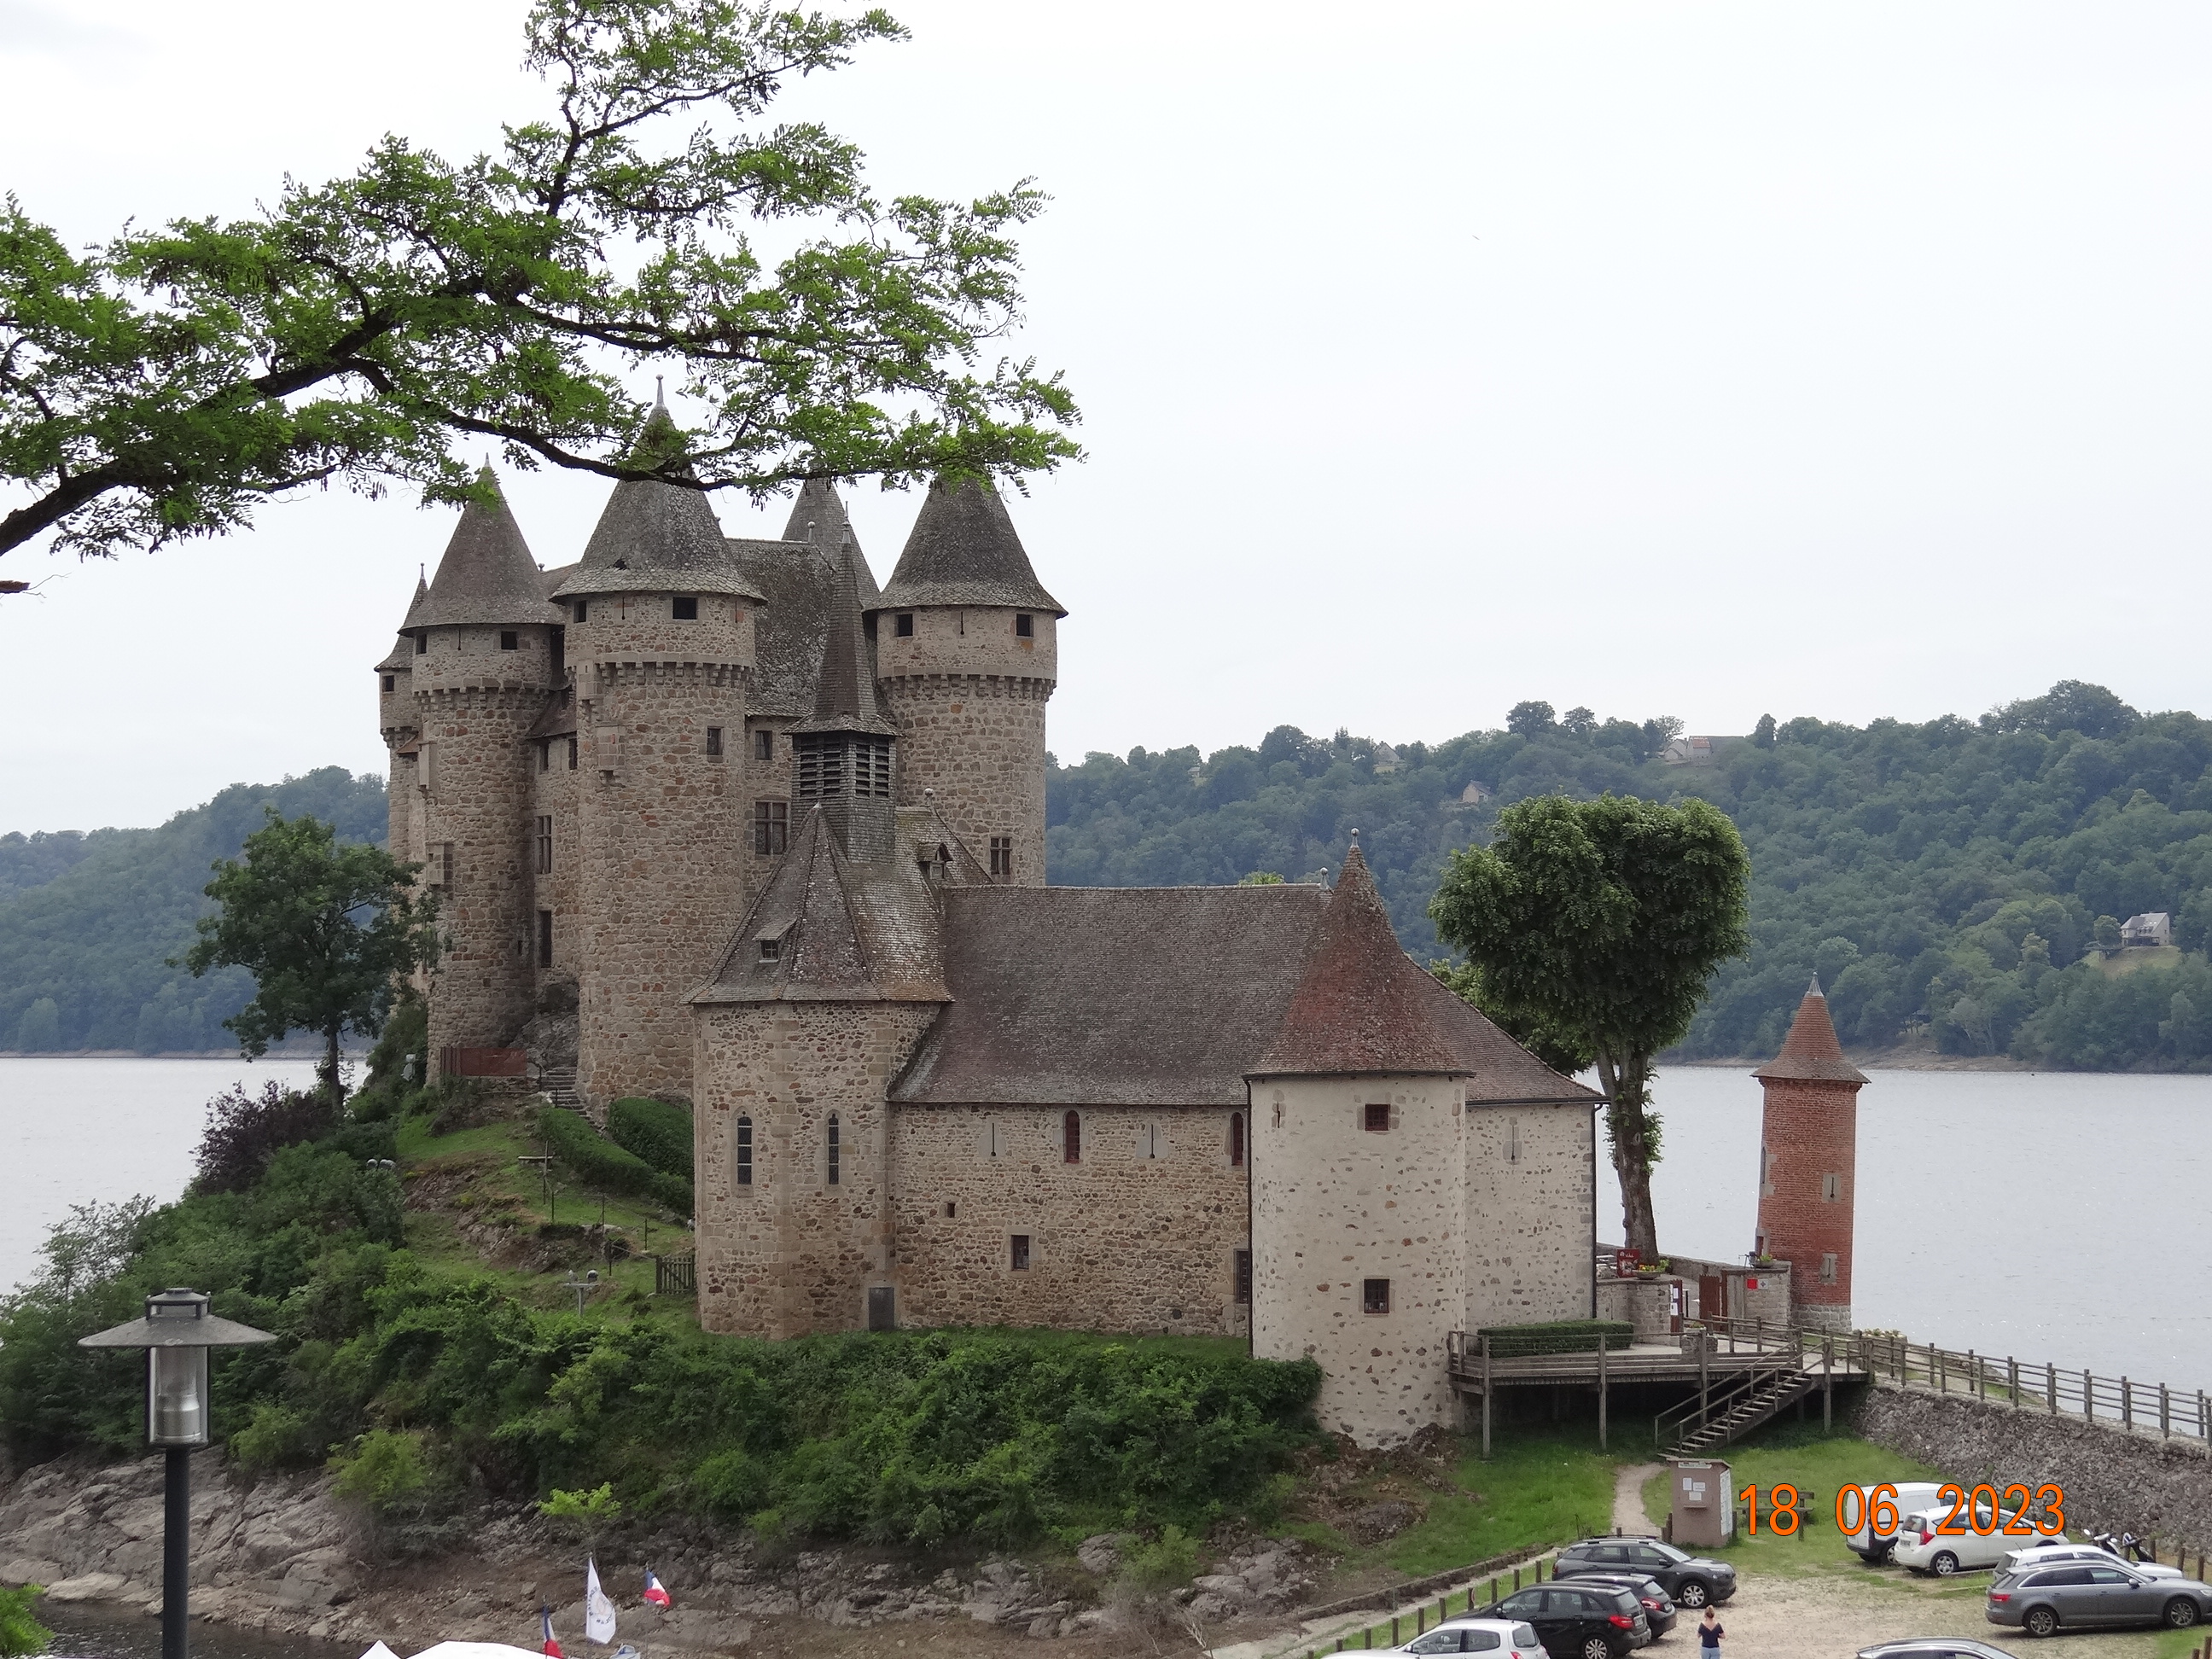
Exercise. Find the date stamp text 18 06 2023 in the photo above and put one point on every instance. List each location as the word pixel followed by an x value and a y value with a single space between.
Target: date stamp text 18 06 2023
pixel 2013 1511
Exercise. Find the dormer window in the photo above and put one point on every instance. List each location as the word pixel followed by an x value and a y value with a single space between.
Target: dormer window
pixel 509 639
pixel 771 950
pixel 687 609
pixel 1024 625
pixel 581 607
pixel 903 624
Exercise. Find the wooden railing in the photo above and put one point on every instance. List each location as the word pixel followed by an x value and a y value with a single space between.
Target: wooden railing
pixel 676 1275
pixel 2121 1401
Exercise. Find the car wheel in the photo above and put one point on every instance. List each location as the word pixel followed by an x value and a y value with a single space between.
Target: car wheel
pixel 1597 1647
pixel 2040 1621
pixel 1944 1564
pixel 1693 1593
pixel 2180 1612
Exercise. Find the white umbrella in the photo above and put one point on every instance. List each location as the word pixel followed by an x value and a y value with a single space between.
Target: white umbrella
pixel 468 1650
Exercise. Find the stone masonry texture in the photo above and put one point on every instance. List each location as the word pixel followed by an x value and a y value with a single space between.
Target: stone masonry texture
pixel 1529 1213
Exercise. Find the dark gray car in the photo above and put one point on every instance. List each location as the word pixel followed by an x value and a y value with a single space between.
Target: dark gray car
pixel 1691 1580
pixel 2083 1596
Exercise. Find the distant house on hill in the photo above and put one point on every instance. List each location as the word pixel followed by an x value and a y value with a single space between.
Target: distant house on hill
pixel 1696 751
pixel 1386 758
pixel 1473 795
pixel 2151 927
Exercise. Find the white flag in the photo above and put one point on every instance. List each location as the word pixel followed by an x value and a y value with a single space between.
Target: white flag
pixel 599 1611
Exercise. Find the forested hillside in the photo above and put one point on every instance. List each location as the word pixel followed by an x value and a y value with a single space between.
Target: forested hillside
pixel 1946 880
pixel 88 921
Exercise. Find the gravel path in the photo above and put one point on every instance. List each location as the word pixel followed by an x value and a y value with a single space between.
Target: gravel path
pixel 1628 1515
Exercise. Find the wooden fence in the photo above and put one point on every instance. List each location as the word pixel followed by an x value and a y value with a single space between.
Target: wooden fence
pixel 2121 1401
pixel 676 1275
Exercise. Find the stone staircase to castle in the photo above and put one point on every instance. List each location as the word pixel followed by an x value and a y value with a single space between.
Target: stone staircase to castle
pixel 560 1088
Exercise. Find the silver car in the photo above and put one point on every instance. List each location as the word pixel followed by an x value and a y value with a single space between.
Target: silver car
pixel 2081 1595
pixel 1508 1638
pixel 2045 1555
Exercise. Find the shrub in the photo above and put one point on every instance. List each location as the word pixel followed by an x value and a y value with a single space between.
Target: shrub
pixel 1558 1336
pixel 655 1131
pixel 599 1163
pixel 244 1130
pixel 385 1470
pixel 20 1634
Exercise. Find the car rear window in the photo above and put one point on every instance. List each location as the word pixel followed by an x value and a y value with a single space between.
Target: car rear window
pixel 1620 1601
pixel 1524 1636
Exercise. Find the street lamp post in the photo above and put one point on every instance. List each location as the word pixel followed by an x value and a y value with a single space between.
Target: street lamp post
pixel 177 1332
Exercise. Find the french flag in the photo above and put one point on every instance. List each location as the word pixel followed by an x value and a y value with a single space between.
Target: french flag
pixel 552 1648
pixel 654 1591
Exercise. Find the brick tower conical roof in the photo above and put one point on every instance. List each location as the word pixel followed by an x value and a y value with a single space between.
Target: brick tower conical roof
pixel 963 551
pixel 657 537
pixel 845 695
pixel 1810 1053
pixel 1361 1005
pixel 487 576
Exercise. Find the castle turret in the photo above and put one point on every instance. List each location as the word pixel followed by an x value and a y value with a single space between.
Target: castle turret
pixel 966 656
pixel 843 755
pixel 486 646
pixel 1359 1176
pixel 1808 1164
pixel 661 640
pixel 395 721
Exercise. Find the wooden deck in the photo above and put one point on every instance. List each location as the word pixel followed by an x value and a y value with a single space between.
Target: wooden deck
pixel 1471 1371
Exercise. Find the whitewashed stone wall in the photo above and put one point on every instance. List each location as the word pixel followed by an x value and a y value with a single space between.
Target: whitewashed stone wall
pixel 1529 1222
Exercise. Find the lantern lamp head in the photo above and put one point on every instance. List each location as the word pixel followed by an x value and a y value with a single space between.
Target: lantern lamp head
pixel 177 1333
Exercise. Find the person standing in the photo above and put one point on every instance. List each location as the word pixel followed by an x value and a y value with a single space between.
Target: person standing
pixel 1710 1631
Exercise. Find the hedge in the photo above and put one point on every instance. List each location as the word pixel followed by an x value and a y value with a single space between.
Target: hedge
pixel 654 1130
pixel 597 1162
pixel 1558 1336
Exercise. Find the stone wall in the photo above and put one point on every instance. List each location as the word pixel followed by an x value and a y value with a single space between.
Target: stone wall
pixel 1140 1234
pixel 555 789
pixel 1334 1204
pixel 2111 1478
pixel 1530 1222
pixel 1810 1133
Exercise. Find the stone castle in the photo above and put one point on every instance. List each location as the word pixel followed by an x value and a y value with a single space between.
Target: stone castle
pixel 777 836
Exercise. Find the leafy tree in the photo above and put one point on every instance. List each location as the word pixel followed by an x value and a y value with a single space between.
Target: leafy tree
pixel 1578 722
pixel 2108 932
pixel 1592 928
pixel 327 930
pixel 165 384
pixel 1530 720
pixel 1762 734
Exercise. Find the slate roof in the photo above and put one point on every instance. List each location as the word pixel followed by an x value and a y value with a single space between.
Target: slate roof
pixel 963 551
pixel 1810 1054
pixel 800 580
pixel 845 689
pixel 401 655
pixel 558 719
pixel 846 932
pixel 657 537
pixel 487 574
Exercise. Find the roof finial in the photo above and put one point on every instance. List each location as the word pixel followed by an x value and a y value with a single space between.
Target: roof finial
pixel 1355 838
pixel 1814 989
pixel 660 392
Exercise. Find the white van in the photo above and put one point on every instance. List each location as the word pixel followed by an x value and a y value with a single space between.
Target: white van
pixel 1911 1495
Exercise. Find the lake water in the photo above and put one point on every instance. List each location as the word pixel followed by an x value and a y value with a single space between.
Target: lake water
pixel 2051 1216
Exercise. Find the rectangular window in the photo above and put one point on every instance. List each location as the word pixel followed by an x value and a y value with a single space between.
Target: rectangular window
pixel 390 681
pixel 544 846
pixel 1024 625
pixel 686 610
pixel 572 754
pixel 580 606
pixel 544 939
pixel 764 745
pixel 1242 1267
pixel 546 754
pixel 771 827
pixel 1020 1242
pixel 903 624
pixel 837 1150
pixel 714 742
pixel 771 950
pixel 1828 1269
pixel 1378 1115
pixel 1831 1188
pixel 1374 1296
pixel 421 644
pixel 951 1209
pixel 744 1151
pixel 1071 1137
pixel 1002 855
pixel 509 639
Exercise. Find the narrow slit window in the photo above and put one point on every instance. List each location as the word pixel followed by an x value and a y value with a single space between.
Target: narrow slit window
pixel 544 939
pixel 744 1151
pixel 1512 1141
pixel 1828 1269
pixel 544 845
pixel 546 754
pixel 714 742
pixel 509 639
pixel 1243 1267
pixel 1019 1251
pixel 1378 1117
pixel 837 1150
pixel 1237 1141
pixel 1831 1188
pixel 572 754
pixel 686 610
pixel 1024 625
pixel 952 1210
pixel 1071 1137
pixel 1374 1296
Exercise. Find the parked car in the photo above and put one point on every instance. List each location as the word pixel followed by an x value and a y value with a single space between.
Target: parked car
pixel 1934 1647
pixel 1503 1636
pixel 1872 1545
pixel 1658 1605
pixel 1691 1580
pixel 1578 1621
pixel 2082 1594
pixel 1922 1549
pixel 2045 1555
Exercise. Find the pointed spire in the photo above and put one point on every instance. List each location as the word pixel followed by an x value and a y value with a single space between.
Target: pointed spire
pixel 845 696
pixel 487 574
pixel 963 551
pixel 657 537
pixel 1811 1054
pixel 820 511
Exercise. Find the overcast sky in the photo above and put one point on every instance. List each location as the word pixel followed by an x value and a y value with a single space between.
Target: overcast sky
pixel 1703 359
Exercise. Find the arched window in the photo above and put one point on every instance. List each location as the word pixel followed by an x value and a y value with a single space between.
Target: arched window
pixel 1237 1141
pixel 833 1149
pixel 744 1151
pixel 1071 1137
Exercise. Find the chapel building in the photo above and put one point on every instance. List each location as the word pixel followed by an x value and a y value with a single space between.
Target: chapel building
pixel 777 836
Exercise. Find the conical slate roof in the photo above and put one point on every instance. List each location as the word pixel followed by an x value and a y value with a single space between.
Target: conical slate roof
pixel 819 510
pixel 1810 1054
pixel 963 551
pixel 845 695
pixel 487 574
pixel 657 537
pixel 415 605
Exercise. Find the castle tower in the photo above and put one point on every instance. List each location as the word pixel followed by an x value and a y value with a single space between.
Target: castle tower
pixel 660 635
pixel 1807 1163
pixel 395 721
pixel 486 646
pixel 965 652
pixel 1359 1176
pixel 843 755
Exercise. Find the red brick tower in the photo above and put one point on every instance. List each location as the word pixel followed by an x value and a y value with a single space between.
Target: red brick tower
pixel 1807 1161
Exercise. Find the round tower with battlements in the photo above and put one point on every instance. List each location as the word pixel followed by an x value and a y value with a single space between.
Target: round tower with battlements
pixel 660 638
pixel 1808 1160
pixel 964 640
pixel 485 647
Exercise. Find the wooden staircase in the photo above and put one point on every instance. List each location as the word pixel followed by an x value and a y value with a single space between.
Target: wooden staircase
pixel 1728 1414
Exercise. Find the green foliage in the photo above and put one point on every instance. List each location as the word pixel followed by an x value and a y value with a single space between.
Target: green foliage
pixel 398 1065
pixel 653 1131
pixel 384 1469
pixel 585 1514
pixel 328 930
pixel 597 1162
pixel 20 1634
pixel 1157 1566
pixel 244 1130
pixel 161 386
pixel 1557 1336
pixel 90 933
